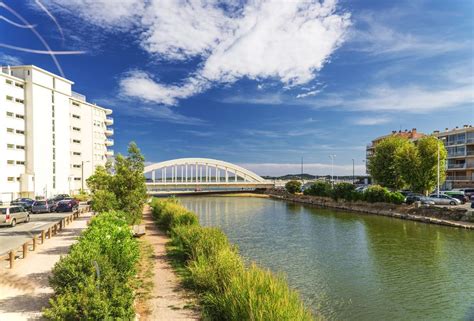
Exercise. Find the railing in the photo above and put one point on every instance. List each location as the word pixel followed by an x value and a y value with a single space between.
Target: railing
pixel 456 154
pixel 78 96
pixel 459 178
pixel 470 152
pixel 109 142
pixel 457 165
pixel 30 245
pixel 470 140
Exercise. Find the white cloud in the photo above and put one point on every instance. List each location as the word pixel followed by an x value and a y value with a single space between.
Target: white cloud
pixel 308 94
pixel 9 60
pixel 371 120
pixel 274 169
pixel 284 41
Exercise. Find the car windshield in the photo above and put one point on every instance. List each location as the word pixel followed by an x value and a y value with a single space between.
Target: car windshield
pixel 40 203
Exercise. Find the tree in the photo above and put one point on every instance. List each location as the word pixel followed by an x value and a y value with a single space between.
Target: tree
pixel 382 165
pixel 293 187
pixel 121 185
pixel 417 164
pixel 319 189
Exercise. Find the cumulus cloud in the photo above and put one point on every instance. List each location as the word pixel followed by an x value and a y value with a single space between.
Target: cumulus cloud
pixel 286 41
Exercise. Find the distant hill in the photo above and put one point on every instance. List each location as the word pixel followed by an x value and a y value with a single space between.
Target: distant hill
pixel 310 177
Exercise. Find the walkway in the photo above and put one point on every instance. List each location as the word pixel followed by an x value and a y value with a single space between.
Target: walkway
pixel 25 290
pixel 169 300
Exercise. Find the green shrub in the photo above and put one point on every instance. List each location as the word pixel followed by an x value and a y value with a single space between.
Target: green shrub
pixel 93 281
pixel 319 189
pixel 344 191
pixel 396 198
pixel 293 187
pixel 376 194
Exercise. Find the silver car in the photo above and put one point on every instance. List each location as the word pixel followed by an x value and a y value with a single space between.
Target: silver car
pixel 443 199
pixel 43 206
pixel 10 215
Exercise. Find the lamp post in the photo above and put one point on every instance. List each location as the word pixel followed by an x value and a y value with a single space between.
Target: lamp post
pixel 441 139
pixel 353 172
pixel 82 175
pixel 332 156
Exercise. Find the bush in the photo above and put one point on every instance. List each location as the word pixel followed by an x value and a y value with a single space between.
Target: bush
pixel 396 198
pixel 319 189
pixel 93 281
pixel 229 291
pixel 293 187
pixel 344 191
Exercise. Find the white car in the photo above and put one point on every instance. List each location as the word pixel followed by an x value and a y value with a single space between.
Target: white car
pixel 443 199
pixel 10 215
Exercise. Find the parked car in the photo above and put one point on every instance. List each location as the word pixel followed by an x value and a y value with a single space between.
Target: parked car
pixel 44 206
pixel 413 197
pixel 66 205
pixel 457 194
pixel 469 192
pixel 60 197
pixel 25 202
pixel 10 215
pixel 443 199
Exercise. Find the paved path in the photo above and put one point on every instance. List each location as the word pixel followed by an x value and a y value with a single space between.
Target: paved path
pixel 25 290
pixel 168 298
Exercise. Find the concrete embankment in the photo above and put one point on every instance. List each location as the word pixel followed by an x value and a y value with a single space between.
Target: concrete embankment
pixel 432 215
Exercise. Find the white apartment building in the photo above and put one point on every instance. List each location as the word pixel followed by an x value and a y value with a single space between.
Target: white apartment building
pixel 51 138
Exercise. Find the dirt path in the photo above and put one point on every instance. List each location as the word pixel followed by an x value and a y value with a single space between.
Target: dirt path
pixel 25 290
pixel 169 301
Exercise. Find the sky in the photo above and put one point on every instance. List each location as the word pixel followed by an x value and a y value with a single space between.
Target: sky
pixel 258 83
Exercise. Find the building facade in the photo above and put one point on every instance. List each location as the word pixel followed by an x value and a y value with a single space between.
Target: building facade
pixel 409 134
pixel 459 143
pixel 51 139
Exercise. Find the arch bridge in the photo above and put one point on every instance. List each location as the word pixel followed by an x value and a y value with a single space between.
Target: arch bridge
pixel 200 174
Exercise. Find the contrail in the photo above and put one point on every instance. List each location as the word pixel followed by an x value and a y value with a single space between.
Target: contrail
pixel 51 16
pixel 45 44
pixel 16 24
pixel 42 52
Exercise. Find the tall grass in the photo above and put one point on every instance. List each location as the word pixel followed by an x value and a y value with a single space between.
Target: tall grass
pixel 228 289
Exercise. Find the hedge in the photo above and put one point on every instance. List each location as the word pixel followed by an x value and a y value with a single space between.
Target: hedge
pixel 228 289
pixel 94 281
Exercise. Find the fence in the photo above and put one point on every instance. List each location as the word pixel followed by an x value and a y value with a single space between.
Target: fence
pixel 30 245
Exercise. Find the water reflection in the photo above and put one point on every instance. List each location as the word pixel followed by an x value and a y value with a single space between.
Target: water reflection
pixel 349 266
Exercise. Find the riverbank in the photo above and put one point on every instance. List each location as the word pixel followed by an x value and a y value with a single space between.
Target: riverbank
pixel 425 215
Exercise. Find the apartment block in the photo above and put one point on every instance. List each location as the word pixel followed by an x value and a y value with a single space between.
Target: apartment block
pixel 459 143
pixel 51 138
pixel 409 134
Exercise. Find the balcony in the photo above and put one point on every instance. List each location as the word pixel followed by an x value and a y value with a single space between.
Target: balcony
pixel 78 96
pixel 456 166
pixel 109 132
pixel 109 153
pixel 108 111
pixel 459 178
pixel 109 142
pixel 109 121
pixel 470 152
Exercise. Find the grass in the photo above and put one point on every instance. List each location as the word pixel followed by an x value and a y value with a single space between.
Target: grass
pixel 144 282
pixel 210 265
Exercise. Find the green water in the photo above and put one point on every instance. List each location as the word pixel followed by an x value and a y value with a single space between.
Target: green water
pixel 351 266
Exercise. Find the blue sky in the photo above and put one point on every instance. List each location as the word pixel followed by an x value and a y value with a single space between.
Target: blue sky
pixel 257 83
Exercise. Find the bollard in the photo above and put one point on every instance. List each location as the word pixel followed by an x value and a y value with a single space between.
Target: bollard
pixel 11 258
pixel 25 249
pixel 49 233
pixel 34 243
pixel 42 237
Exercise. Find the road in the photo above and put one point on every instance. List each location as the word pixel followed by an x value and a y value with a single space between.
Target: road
pixel 13 237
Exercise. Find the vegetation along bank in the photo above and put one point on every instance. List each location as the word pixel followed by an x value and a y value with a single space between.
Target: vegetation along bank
pixel 213 268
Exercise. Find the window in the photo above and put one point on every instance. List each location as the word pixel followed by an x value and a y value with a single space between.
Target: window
pixel 76 104
pixel 19 85
pixel 10 130
pixel 10 98
pixel 76 141
pixel 10 146
pixel 20 147
pixel 76 166
pixel 9 114
pixel 77 178
pixel 20 116
pixel 76 116
pixel 76 153
pixel 18 100
pixel 8 81
pixel 21 132
pixel 77 129
pixel 10 162
pixel 11 179
pixel 20 162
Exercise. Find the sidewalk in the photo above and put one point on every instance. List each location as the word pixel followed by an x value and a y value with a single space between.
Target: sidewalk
pixel 169 301
pixel 24 290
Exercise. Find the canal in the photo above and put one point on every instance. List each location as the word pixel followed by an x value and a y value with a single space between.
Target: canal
pixel 350 266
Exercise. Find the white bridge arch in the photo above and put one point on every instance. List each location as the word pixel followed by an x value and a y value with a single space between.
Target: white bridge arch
pixel 197 173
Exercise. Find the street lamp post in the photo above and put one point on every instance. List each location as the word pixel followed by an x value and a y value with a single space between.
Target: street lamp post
pixel 438 175
pixel 353 172
pixel 332 156
pixel 82 175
